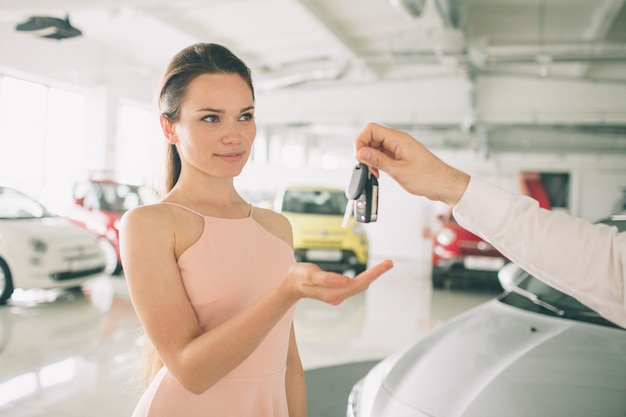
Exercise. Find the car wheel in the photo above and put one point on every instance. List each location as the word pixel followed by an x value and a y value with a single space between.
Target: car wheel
pixel 113 266
pixel 6 282
pixel 438 278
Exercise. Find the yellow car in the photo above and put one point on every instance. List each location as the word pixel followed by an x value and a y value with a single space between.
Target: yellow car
pixel 316 215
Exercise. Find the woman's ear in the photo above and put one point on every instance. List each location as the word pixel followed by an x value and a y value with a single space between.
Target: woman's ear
pixel 168 129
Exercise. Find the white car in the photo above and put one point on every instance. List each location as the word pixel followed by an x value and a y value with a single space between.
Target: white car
pixel 39 250
pixel 533 351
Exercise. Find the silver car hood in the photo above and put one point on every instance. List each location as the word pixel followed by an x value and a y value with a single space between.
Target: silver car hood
pixel 497 360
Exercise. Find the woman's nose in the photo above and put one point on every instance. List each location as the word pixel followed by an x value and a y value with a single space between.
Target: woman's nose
pixel 232 136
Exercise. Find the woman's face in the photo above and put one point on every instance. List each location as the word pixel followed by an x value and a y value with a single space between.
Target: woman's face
pixel 216 128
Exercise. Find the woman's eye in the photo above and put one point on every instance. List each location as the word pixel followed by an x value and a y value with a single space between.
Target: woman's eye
pixel 212 118
pixel 247 116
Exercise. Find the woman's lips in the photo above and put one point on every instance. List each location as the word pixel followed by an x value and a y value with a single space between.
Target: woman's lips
pixel 231 156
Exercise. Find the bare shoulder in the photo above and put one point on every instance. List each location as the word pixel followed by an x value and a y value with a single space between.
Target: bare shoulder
pixel 275 223
pixel 147 216
pixel 155 223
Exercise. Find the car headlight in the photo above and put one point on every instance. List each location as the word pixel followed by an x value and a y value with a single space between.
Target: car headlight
pixel 358 229
pixel 446 236
pixel 38 245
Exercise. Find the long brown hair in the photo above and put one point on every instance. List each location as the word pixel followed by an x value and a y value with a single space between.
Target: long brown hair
pixel 184 67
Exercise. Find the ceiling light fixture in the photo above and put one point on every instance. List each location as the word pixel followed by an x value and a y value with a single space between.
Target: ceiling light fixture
pixel 49 27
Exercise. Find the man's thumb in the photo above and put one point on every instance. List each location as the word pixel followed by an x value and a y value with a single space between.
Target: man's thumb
pixel 370 157
pixel 364 155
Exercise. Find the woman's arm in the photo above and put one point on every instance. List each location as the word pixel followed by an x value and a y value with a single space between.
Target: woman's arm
pixel 197 359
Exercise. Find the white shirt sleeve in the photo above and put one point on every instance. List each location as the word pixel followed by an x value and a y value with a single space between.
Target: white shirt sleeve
pixel 585 260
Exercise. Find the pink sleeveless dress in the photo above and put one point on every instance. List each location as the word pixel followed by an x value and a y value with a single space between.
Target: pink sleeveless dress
pixel 233 263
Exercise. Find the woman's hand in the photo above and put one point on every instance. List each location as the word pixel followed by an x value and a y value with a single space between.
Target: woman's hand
pixel 306 280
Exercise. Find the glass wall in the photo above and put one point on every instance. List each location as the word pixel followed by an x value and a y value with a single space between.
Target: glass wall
pixel 139 144
pixel 23 119
pixel 45 143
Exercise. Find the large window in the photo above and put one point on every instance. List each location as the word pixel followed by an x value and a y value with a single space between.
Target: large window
pixel 139 145
pixel 65 145
pixel 46 144
pixel 43 131
pixel 23 117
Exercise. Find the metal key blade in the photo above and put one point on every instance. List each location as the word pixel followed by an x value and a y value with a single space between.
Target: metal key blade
pixel 347 213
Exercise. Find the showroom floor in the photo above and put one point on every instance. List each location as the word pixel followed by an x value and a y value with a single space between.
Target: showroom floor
pixel 74 353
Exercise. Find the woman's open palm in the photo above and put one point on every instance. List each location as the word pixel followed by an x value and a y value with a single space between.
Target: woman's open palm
pixel 310 281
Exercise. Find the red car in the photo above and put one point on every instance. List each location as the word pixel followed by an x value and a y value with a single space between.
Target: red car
pixel 99 204
pixel 460 254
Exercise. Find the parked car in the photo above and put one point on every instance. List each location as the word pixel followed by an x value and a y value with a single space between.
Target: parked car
pixel 316 214
pixel 460 254
pixel 99 204
pixel 533 350
pixel 40 250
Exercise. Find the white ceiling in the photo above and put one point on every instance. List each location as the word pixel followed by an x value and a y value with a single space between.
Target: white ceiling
pixel 460 62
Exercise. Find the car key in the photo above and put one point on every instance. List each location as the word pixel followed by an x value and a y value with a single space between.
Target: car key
pixel 347 213
pixel 355 190
pixel 366 206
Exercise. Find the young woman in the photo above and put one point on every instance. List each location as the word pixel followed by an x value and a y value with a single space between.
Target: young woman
pixel 213 279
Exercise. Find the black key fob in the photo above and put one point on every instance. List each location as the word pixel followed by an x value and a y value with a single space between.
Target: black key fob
pixel 357 182
pixel 363 189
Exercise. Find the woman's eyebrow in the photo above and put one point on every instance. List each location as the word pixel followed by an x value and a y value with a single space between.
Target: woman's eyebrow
pixel 212 110
pixel 209 109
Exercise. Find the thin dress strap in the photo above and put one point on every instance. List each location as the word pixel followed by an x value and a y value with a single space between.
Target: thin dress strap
pixel 195 212
pixel 181 206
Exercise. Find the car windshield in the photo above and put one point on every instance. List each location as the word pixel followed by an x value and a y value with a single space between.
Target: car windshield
pixel 315 202
pixel 16 205
pixel 534 295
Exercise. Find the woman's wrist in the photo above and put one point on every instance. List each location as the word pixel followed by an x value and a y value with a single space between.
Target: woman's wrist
pixel 286 292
